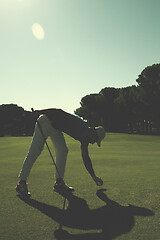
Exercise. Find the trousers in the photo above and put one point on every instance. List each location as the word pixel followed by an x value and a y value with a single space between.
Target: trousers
pixel 37 146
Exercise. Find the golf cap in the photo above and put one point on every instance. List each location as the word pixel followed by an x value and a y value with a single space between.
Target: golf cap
pixel 101 134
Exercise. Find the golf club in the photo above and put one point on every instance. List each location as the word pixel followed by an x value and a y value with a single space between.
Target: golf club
pixel 60 224
pixel 47 146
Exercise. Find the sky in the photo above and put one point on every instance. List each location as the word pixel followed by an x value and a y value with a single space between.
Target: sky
pixel 54 52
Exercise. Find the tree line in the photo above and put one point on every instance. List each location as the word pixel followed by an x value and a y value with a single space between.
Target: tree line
pixel 15 121
pixel 133 109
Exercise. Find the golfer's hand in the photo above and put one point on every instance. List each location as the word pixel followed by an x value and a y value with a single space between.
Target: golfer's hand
pixel 98 181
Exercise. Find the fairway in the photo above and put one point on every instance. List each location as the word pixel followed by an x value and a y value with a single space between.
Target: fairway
pixel 129 166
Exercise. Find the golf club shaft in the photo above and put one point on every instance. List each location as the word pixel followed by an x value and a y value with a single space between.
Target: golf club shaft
pixel 47 145
pixel 64 203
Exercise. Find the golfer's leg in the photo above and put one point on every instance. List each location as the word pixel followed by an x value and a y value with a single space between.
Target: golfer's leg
pixel 36 146
pixel 61 151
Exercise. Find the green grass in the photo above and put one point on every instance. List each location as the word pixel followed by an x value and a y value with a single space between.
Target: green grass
pixel 129 166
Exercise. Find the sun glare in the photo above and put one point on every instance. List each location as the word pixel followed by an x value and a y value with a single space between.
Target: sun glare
pixel 38 31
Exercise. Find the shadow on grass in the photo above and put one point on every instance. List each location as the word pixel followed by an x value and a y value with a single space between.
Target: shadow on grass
pixel 112 219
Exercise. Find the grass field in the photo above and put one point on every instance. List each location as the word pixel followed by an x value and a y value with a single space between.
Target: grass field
pixel 129 166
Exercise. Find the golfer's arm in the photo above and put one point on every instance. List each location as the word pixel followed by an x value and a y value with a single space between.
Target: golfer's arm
pixel 86 159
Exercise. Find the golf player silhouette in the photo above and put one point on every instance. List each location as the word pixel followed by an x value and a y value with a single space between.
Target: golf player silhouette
pixel 53 123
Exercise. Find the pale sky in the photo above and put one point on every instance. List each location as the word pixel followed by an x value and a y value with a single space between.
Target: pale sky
pixel 54 52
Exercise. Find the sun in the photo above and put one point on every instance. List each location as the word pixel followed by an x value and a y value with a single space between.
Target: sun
pixel 38 31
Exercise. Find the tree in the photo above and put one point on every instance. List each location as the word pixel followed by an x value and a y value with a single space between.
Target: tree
pixel 91 109
pixel 109 113
pixel 149 81
pixel 129 109
pixel 11 121
pixel 14 121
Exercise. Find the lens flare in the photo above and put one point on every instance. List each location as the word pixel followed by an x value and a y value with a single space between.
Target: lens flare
pixel 38 31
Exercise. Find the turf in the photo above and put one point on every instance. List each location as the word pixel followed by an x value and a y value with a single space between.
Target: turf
pixel 129 166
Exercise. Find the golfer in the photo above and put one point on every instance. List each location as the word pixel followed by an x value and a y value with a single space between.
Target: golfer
pixel 53 123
